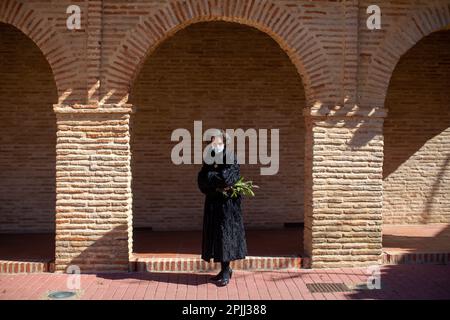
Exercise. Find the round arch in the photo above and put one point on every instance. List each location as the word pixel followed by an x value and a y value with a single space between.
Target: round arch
pixel 215 57
pixel 28 158
pixel 296 39
pixel 35 27
pixel 407 33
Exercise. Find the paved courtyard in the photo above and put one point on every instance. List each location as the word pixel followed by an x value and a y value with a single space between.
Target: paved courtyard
pixel 397 282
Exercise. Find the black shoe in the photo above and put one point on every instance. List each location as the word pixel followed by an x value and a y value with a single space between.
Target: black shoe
pixel 225 279
pixel 217 276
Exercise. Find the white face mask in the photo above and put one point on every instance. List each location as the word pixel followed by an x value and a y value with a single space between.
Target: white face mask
pixel 218 148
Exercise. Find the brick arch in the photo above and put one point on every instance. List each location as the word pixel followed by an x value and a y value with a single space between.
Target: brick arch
pixel 300 43
pixel 407 33
pixel 35 27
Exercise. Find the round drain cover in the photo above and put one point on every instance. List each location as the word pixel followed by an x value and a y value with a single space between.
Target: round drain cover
pixel 61 294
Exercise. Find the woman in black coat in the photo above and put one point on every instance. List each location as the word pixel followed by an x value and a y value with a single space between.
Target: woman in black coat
pixel 223 228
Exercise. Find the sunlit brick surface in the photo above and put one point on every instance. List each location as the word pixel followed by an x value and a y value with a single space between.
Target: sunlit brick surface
pixel 397 282
pixel 362 165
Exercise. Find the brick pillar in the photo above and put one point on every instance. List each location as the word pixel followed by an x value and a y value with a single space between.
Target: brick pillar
pixel 93 186
pixel 343 188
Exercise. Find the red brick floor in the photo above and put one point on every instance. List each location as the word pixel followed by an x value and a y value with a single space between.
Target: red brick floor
pixel 397 282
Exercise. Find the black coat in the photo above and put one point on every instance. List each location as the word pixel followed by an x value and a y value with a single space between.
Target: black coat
pixel 223 227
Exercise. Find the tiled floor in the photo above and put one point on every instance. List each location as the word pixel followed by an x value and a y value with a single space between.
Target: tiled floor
pixel 397 282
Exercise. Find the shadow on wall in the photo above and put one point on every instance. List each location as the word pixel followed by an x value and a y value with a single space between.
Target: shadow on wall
pixel 407 133
pixel 416 160
pixel 107 253
pixel 416 169
pixel 364 123
pixel 432 238
pixel 418 100
pixel 27 136
pixel 434 191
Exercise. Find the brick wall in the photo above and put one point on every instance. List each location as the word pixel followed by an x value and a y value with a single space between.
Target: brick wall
pixel 343 201
pixel 417 135
pixel 133 29
pixel 27 136
pixel 404 23
pixel 93 207
pixel 226 75
pixel 345 70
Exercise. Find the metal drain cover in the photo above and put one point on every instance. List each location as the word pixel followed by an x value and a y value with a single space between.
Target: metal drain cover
pixel 360 287
pixel 61 295
pixel 327 287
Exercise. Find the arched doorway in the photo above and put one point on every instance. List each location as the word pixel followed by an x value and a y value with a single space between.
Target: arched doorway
pixel 27 150
pixel 226 75
pixel 416 207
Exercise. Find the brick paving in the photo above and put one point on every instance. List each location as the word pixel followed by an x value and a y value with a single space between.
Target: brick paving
pixel 398 282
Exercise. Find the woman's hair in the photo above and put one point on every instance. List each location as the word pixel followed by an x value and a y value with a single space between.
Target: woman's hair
pixel 221 133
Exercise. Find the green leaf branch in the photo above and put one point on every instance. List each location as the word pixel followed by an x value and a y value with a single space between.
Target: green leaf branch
pixel 241 187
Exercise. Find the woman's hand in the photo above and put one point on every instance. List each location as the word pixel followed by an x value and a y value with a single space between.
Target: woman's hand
pixel 223 189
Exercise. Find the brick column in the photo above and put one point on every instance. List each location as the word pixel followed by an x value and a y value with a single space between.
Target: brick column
pixel 343 188
pixel 93 186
